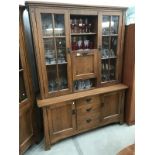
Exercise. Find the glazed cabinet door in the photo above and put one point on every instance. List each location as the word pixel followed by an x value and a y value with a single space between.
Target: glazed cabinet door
pixel 112 107
pixel 54 60
pixel 110 47
pixel 61 120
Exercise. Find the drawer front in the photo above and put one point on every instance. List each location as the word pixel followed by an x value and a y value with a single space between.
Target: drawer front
pixel 88 121
pixel 88 109
pixel 87 101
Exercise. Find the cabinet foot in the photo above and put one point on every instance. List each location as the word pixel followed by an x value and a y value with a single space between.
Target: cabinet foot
pixel 121 122
pixel 47 147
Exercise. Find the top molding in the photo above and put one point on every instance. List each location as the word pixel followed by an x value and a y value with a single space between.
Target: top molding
pixel 67 5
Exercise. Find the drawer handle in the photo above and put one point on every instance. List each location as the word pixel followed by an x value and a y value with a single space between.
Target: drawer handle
pixel 88 99
pixel 89 109
pixel 88 120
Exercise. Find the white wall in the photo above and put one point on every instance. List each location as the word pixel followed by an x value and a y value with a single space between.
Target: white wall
pixel 125 3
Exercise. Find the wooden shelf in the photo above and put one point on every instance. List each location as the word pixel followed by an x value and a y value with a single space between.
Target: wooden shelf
pixel 79 34
pixel 78 95
pixel 57 64
pixel 114 57
pixel 109 35
pixel 48 37
pixel 51 64
pixel 62 63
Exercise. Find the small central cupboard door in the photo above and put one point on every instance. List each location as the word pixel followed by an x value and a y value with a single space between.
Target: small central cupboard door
pixel 55 61
pixel 61 120
pixel 84 64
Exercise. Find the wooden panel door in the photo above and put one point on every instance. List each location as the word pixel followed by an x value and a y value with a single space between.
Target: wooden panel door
pixel 112 107
pixel 26 135
pixel 84 65
pixel 53 57
pixel 61 120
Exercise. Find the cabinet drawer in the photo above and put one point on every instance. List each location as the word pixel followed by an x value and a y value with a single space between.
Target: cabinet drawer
pixel 87 101
pixel 88 121
pixel 88 109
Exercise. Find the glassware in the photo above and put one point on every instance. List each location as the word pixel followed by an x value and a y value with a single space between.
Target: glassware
pixel 86 25
pixel 53 85
pixel 80 43
pixel 72 26
pixel 89 27
pixel 86 43
pixel 75 26
pixel 80 25
pixel 74 44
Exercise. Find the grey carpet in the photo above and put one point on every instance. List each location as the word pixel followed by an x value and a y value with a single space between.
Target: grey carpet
pixel 108 140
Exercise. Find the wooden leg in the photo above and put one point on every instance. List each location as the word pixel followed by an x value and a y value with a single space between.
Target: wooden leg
pixel 122 108
pixel 46 131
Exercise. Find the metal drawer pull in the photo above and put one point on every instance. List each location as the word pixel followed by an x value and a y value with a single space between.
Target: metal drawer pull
pixel 88 109
pixel 88 120
pixel 88 99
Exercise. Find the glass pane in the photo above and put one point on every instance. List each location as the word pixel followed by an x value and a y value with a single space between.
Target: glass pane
pixel 22 91
pixel 59 29
pixel 105 25
pixel 112 69
pixel 105 70
pixel 50 55
pixel 61 56
pixel 114 24
pixel 105 46
pixel 63 80
pixel 47 27
pixel 52 78
pixel 113 49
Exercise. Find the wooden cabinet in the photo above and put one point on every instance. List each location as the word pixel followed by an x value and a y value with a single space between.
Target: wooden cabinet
pixel 71 114
pixel 79 53
pixel 26 98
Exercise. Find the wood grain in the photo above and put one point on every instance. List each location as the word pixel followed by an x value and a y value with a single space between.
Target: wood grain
pixel 74 96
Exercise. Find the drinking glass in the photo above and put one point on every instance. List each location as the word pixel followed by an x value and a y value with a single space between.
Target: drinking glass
pixel 80 43
pixel 75 25
pixel 72 26
pixel 80 25
pixel 89 27
pixel 86 43
pixel 86 25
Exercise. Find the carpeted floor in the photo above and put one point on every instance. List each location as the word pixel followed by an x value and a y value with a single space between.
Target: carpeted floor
pixel 107 140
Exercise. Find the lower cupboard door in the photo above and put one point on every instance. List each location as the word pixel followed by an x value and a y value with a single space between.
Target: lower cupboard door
pixel 111 107
pixel 61 120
